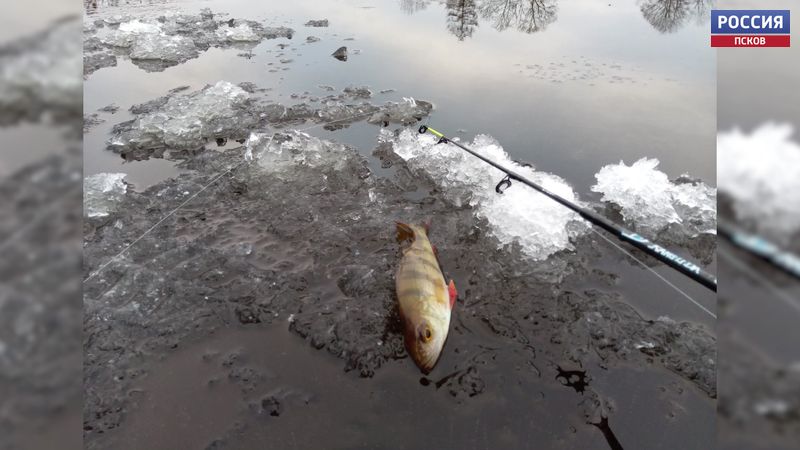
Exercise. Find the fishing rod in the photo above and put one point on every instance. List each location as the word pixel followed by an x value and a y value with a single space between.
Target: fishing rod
pixel 672 260
pixel 788 263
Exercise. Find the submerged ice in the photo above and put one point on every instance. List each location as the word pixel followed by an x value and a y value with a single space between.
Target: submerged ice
pixel 760 173
pixel 651 203
pixel 539 225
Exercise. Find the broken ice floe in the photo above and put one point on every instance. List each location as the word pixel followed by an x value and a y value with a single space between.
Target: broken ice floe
pixel 651 203
pixel 283 151
pixel 358 92
pixel 156 43
pixel 186 121
pixel 102 192
pixel 317 23
pixel 760 172
pixel 240 33
pixel 540 225
pixel 42 73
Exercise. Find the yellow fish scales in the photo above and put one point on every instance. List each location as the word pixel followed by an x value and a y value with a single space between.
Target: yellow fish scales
pixel 425 300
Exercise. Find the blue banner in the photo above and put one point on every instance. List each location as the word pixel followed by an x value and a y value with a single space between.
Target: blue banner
pixel 750 21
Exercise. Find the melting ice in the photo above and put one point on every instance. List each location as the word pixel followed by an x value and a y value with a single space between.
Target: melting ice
pixel 290 148
pixel 155 43
pixel 42 71
pixel 102 192
pixel 650 202
pixel 540 225
pixel 761 174
pixel 185 121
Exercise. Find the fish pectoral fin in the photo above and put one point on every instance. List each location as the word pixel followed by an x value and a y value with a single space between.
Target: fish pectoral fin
pixel 405 233
pixel 451 290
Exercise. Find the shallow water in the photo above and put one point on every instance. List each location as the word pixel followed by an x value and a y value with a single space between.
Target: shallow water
pixel 663 106
pixel 288 403
pixel 328 257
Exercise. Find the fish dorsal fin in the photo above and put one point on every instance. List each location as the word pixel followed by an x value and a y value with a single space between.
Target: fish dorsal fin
pixel 451 290
pixel 405 233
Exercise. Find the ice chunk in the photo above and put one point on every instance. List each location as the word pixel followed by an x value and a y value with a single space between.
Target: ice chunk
pixel 157 43
pixel 127 33
pixel 94 62
pixel 240 33
pixel 171 49
pixel 540 225
pixel 185 121
pixel 286 150
pixel 317 23
pixel 278 32
pixel 650 202
pixel 760 172
pixel 341 112
pixel 358 92
pixel 406 112
pixel 102 192
pixel 42 72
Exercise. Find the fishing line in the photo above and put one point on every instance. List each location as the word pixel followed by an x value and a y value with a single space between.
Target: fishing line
pixel 752 273
pixel 672 260
pixel 651 270
pixel 214 180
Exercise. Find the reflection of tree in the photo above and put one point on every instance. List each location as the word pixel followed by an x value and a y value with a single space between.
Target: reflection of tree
pixel 667 16
pixel 528 16
pixel 412 6
pixel 461 18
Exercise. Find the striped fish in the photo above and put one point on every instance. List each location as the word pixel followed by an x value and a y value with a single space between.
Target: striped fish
pixel 425 300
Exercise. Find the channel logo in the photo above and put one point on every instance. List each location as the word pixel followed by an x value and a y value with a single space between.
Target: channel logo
pixel 750 28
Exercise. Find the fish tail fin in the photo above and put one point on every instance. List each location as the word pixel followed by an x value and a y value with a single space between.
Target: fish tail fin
pixel 405 233
pixel 451 290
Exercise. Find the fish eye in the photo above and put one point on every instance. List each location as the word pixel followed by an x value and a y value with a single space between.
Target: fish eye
pixel 426 335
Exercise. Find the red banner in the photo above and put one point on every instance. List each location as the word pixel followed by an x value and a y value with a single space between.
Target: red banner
pixel 732 40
